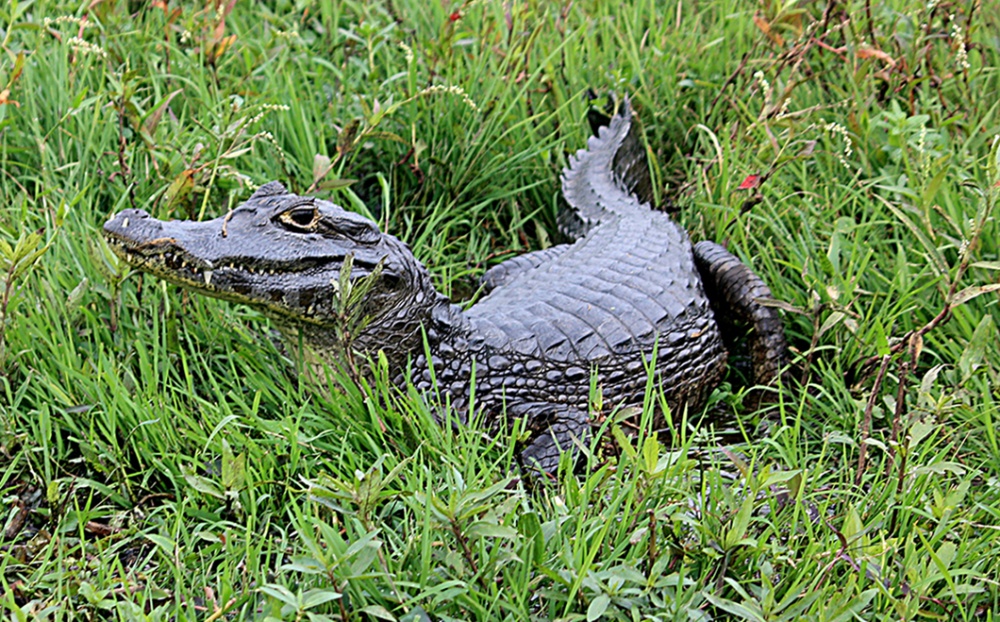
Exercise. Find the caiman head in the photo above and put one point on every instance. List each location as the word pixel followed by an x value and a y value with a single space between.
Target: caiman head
pixel 284 254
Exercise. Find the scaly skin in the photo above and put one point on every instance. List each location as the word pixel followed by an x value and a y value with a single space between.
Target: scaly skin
pixel 628 286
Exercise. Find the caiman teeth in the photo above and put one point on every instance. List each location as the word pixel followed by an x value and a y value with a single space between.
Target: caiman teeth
pixel 183 265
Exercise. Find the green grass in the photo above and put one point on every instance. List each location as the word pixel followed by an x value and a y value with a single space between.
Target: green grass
pixel 161 459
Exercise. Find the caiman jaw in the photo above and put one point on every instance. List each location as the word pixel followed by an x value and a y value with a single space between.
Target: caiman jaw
pixel 166 259
pixel 162 257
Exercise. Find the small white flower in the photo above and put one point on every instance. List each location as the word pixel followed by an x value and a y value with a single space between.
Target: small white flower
pixel 765 86
pixel 836 128
pixel 454 90
pixel 958 35
pixel 86 47
pixel 48 22
pixel 287 35
pixel 408 51
pixel 784 107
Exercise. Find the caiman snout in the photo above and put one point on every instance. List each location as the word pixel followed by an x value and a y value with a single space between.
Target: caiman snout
pixel 123 219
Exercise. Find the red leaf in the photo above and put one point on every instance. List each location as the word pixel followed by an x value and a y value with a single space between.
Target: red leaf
pixel 765 28
pixel 864 53
pixel 5 99
pixel 752 181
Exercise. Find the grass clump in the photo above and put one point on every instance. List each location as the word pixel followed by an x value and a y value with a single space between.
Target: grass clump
pixel 162 459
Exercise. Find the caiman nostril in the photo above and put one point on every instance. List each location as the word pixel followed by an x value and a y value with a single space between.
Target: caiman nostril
pixel 124 219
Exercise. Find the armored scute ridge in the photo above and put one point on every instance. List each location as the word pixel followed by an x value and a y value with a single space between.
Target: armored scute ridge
pixel 628 282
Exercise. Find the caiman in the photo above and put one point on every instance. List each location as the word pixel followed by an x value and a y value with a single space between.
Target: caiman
pixel 629 295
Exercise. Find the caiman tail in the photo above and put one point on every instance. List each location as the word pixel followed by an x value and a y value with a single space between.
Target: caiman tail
pixel 611 179
pixel 608 178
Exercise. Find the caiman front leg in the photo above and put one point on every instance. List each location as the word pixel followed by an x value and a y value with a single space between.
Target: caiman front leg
pixel 555 429
pixel 736 293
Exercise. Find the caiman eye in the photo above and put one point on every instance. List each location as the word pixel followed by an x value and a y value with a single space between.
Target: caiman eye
pixel 302 218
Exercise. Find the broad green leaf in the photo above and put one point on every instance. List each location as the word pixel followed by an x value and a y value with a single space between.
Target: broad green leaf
pixel 364 560
pixel 778 477
pixel 881 341
pixel 152 119
pixel 7 251
pixel 305 565
pixel 318 596
pixel 179 188
pixel 650 454
pixel 378 611
pixel 485 529
pixel 345 140
pixel 164 543
pixel 741 612
pixel 25 244
pixel 321 166
pixel 831 320
pixel 597 607
pixel 74 297
pixel 934 184
pixel 335 184
pixel 93 596
pixel 205 485
pixel 919 430
pixel 365 541
pixel 626 574
pixel 946 553
pixel 973 291
pixel 741 522
pixel 940 468
pixel 235 153
pixel 852 524
pixel 233 469
pixel 624 442
pixel 417 614
pixel 530 528
pixel 281 593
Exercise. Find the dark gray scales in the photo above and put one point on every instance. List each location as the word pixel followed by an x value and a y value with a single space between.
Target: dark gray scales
pixel 628 281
